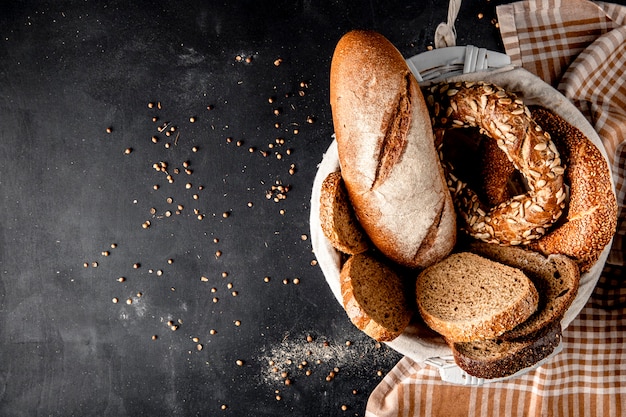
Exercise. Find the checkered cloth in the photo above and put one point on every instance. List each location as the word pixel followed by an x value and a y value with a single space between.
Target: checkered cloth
pixel 579 47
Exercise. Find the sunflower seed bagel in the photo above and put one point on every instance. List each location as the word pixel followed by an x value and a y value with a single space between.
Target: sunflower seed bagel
pixel 502 116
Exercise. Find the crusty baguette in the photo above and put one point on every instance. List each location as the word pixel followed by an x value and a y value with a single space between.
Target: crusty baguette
pixel 498 358
pixel 467 297
pixel 374 297
pixel 339 224
pixel 386 152
pixel 556 278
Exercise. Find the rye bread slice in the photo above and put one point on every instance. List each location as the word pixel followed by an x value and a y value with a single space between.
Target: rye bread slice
pixel 556 278
pixel 374 297
pixel 500 358
pixel 337 218
pixel 467 297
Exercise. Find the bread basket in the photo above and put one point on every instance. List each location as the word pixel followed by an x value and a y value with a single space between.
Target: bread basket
pixel 455 64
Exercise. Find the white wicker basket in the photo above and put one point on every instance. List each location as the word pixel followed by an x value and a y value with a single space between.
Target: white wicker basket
pixel 455 63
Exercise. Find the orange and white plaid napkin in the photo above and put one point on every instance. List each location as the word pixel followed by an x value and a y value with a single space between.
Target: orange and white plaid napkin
pixel 579 47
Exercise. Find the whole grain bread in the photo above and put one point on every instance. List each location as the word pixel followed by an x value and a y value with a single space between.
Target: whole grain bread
pixel 556 278
pixel 499 358
pixel 338 222
pixel 386 152
pixel 467 297
pixel 374 297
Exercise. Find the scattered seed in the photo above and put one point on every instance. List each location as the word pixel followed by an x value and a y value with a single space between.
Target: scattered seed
pixel 115 300
pixel 109 129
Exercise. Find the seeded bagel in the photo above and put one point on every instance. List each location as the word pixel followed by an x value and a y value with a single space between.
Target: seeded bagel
pixel 467 297
pixel 502 116
pixel 592 213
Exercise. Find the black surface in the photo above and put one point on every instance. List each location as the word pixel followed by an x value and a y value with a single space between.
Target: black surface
pixel 71 69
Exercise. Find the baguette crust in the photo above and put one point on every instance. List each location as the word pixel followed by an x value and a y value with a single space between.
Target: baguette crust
pixel 386 151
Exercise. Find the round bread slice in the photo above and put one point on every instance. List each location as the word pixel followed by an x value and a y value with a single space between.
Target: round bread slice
pixel 467 297
pixel 556 278
pixel 499 358
pixel 337 218
pixel 374 297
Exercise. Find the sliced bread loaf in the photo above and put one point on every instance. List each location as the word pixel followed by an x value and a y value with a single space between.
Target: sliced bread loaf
pixel 374 297
pixel 499 358
pixel 467 297
pixel 556 278
pixel 337 218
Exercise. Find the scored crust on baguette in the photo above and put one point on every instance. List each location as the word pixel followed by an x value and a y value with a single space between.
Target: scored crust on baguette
pixel 556 278
pixel 467 297
pixel 387 153
pixel 498 358
pixel 338 222
pixel 374 297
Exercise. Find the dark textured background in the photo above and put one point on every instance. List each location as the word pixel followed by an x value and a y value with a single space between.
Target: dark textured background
pixel 69 70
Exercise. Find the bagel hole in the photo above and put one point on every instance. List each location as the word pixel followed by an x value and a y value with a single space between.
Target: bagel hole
pixel 464 149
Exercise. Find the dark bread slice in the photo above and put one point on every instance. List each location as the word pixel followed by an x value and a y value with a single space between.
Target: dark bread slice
pixel 467 297
pixel 556 278
pixel 337 218
pixel 374 297
pixel 500 358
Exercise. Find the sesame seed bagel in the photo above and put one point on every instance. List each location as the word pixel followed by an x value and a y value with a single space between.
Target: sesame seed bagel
pixel 592 212
pixel 502 116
